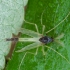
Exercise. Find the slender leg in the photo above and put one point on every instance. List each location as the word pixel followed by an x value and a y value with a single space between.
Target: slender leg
pixel 36 30
pixel 43 29
pixel 42 22
pixel 58 54
pixel 36 51
pixel 43 50
pixel 58 23
pixel 23 58
pixel 33 24
pixel 42 16
pixel 42 32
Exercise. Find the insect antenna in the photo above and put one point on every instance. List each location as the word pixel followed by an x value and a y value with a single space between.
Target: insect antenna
pixel 58 54
pixel 58 23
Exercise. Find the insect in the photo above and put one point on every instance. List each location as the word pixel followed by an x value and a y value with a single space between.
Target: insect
pixel 39 40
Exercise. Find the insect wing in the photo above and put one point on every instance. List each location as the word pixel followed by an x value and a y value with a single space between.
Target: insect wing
pixel 30 46
pixel 30 32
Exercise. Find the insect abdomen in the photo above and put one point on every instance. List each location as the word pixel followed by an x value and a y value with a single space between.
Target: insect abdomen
pixel 12 39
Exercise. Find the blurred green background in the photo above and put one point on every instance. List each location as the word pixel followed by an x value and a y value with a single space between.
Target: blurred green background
pixel 55 11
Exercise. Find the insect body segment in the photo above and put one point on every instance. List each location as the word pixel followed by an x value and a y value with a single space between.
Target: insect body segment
pixel 45 39
pixel 28 39
pixel 12 39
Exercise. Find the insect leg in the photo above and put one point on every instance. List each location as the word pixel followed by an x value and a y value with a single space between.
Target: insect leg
pixel 42 22
pixel 28 47
pixel 33 33
pixel 58 23
pixel 43 50
pixel 23 58
pixel 43 29
pixel 37 47
pixel 33 24
pixel 42 16
pixel 36 51
pixel 36 30
pixel 58 54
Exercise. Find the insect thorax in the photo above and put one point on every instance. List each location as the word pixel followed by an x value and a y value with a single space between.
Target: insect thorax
pixel 46 39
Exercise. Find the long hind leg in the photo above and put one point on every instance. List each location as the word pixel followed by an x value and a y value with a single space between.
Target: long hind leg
pixel 43 26
pixel 33 24
pixel 36 30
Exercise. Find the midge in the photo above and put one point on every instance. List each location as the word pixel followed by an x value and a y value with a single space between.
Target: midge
pixel 45 39
pixel 39 39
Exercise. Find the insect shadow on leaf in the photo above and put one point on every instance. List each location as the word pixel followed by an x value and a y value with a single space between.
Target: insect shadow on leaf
pixel 39 39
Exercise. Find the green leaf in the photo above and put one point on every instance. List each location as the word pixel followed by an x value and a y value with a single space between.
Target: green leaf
pixel 54 12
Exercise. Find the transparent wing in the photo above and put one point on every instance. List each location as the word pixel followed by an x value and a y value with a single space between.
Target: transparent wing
pixel 30 46
pixel 29 32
